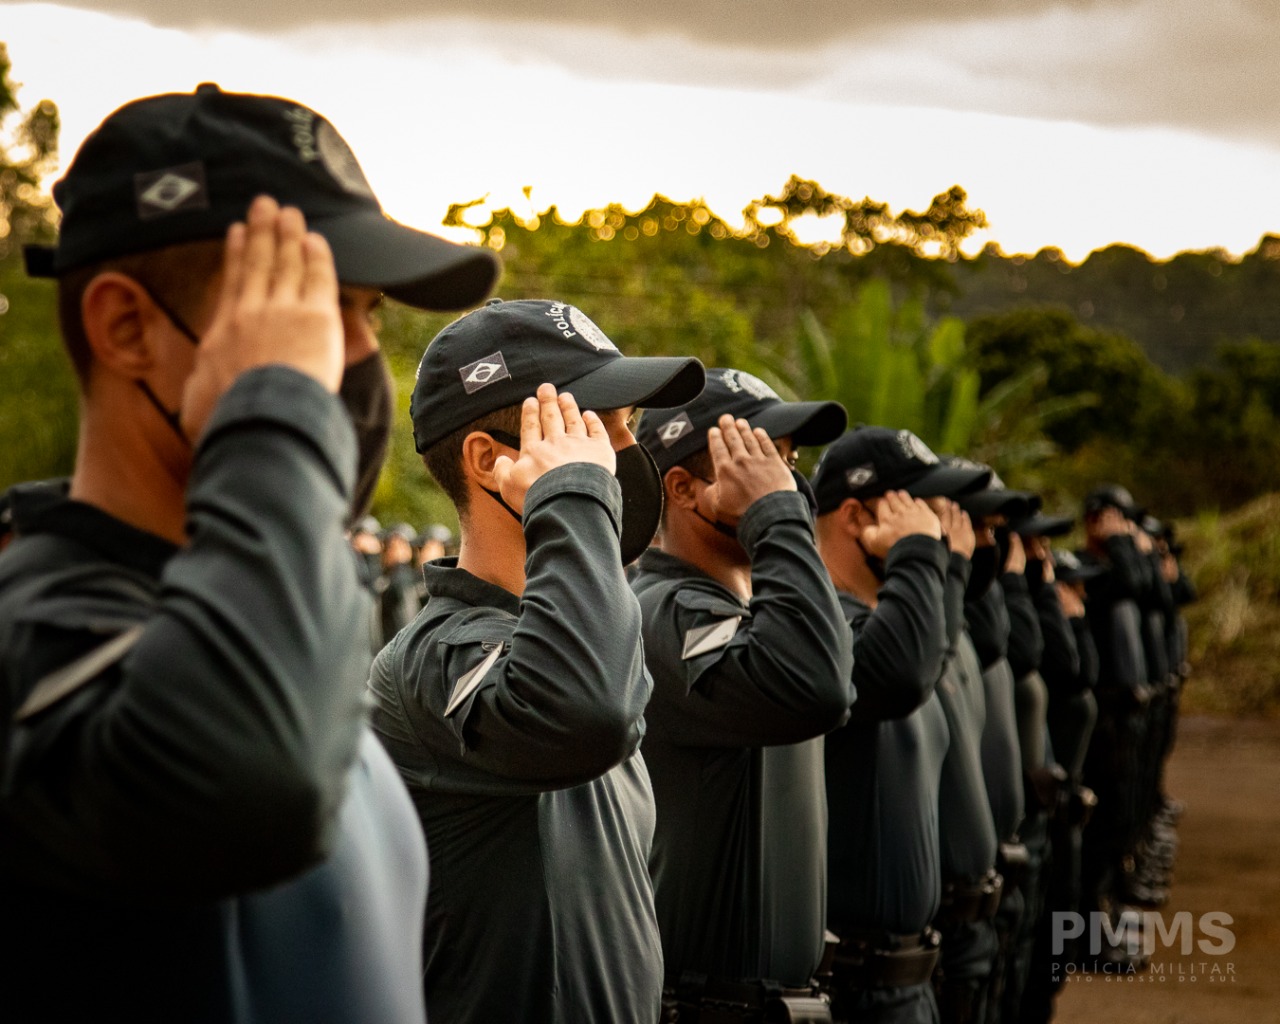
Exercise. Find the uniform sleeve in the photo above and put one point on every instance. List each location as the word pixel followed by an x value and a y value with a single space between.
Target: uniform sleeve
pixel 777 671
pixel 1026 643
pixel 217 760
pixel 899 648
pixel 1089 664
pixel 1129 572
pixel 554 698
pixel 988 622
pixel 959 569
pixel 1060 663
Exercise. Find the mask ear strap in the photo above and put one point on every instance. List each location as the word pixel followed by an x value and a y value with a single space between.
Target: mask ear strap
pixel 729 531
pixel 511 441
pixel 174 419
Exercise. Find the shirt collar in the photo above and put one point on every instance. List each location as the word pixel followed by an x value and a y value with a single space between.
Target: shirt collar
pixel 445 579
pixel 46 507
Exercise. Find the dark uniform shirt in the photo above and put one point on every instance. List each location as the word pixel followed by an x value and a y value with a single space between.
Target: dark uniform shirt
pixel 884 766
pixel 989 629
pixel 516 723
pixel 1115 617
pixel 742 693
pixel 206 831
pixel 966 828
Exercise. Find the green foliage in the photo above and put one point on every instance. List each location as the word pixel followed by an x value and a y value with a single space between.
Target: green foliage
pixel 886 365
pixel 1234 561
pixel 37 417
pixel 1077 361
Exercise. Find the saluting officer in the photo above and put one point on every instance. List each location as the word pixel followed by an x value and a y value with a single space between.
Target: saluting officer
pixel 513 703
pixel 750 655
pixel 883 547
pixel 196 824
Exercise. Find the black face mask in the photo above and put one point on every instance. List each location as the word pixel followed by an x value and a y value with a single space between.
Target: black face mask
pixel 642 496
pixel 1002 544
pixel 984 572
pixel 874 562
pixel 1035 573
pixel 368 395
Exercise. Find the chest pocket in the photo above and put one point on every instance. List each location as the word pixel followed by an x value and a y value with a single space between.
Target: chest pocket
pixel 710 621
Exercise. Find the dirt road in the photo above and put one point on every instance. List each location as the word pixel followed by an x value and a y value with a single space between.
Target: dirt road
pixel 1228 774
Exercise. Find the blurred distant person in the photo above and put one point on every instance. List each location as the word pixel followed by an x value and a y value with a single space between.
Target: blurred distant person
pixel 884 548
pixel 399 603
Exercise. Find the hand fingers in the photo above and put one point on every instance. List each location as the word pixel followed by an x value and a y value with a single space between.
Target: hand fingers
pixel 288 269
pixel 320 279
pixel 232 267
pixel 530 423
pixel 732 437
pixel 259 250
pixel 718 448
pixel 750 443
pixel 502 467
pixel 767 447
pixel 549 412
pixel 571 415
pixel 596 430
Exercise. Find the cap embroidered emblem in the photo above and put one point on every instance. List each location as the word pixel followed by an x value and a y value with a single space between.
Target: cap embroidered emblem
pixel 737 381
pixel 169 190
pixel 860 476
pixel 674 429
pixel 916 449
pixel 339 161
pixel 484 372
pixel 591 334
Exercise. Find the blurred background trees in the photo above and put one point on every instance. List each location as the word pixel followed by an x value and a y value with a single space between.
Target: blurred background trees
pixel 1162 374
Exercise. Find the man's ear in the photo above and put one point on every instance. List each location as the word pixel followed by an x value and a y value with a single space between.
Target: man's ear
pixel 479 453
pixel 681 488
pixel 121 324
pixel 854 517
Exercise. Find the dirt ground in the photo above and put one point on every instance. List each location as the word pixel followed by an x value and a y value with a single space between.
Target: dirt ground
pixel 1228 775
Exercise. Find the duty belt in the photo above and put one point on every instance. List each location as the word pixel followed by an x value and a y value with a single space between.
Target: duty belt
pixel 873 959
pixel 1013 862
pixel 698 998
pixel 968 901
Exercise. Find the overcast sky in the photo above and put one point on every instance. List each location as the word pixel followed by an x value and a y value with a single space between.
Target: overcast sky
pixel 1074 123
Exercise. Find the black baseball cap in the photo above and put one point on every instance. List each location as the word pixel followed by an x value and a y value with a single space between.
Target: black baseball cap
pixel 673 437
pixel 995 499
pixel 1068 568
pixel 1111 496
pixel 497 355
pixel 184 167
pixel 1040 525
pixel 867 461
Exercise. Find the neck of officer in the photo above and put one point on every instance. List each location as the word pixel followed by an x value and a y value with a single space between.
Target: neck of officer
pixel 129 471
pixel 847 565
pixel 720 557
pixel 491 544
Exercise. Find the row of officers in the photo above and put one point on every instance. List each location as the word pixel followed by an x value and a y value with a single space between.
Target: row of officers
pixel 678 734
pixel 838 761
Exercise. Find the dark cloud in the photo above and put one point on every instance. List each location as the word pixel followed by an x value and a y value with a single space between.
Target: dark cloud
pixel 761 23
pixel 1200 65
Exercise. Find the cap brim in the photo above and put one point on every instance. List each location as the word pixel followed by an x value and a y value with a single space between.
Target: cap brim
pixel 806 423
pixel 1085 572
pixel 947 482
pixel 647 382
pixel 1038 525
pixel 1011 504
pixel 413 267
